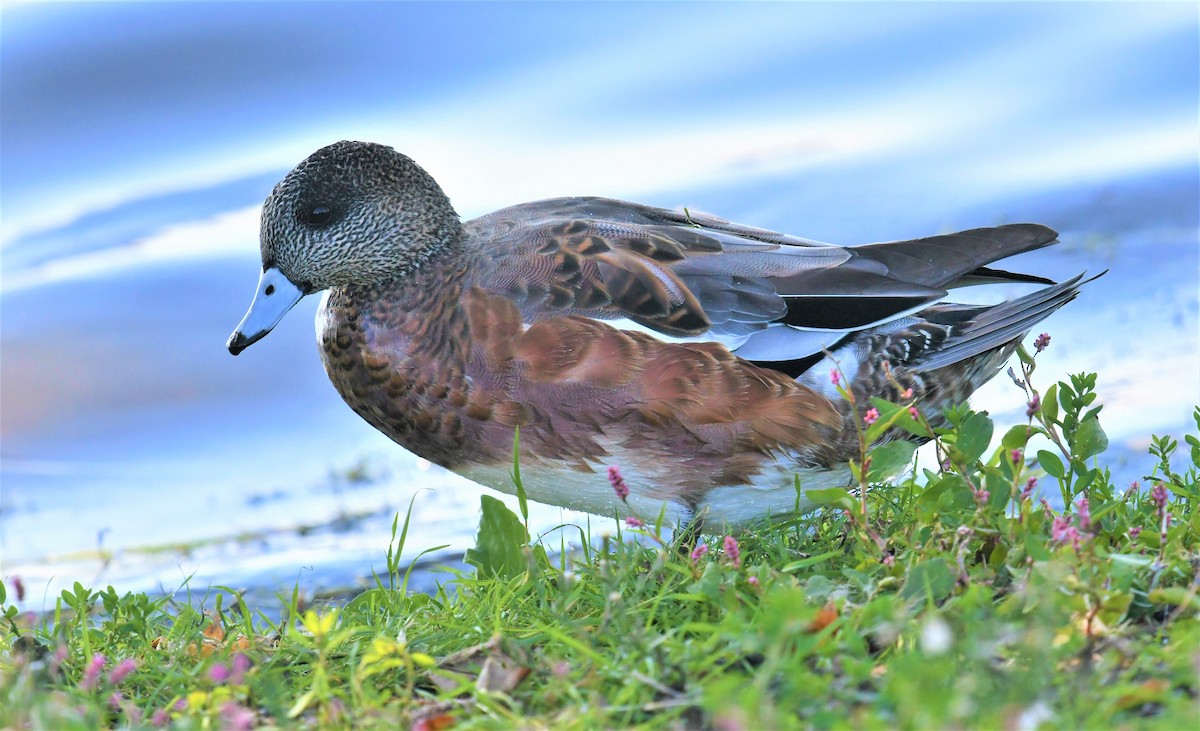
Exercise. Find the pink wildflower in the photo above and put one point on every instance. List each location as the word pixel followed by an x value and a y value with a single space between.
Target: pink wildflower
pixel 159 718
pixel 1159 495
pixel 218 673
pixel 872 415
pixel 906 394
pixel 1085 514
pixel 1030 485
pixel 699 551
pixel 912 411
pixel 752 581
pixel 618 483
pixel 889 560
pixel 236 718
pixel 1035 403
pixel 19 588
pixel 1042 342
pixel 241 666
pixel 122 670
pixel 1017 456
pixel 733 551
pixel 1061 531
pixel 834 377
pixel 1134 532
pixel 91 674
pixel 60 656
pixel 114 700
pixel 982 496
pixel 633 522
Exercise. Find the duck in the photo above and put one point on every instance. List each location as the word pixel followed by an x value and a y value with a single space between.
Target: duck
pixel 703 364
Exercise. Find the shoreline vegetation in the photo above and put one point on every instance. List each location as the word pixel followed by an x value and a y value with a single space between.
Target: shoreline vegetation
pixel 954 597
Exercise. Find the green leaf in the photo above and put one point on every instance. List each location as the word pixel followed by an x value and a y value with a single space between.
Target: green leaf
pixel 889 459
pixel 499 547
pixel 1177 595
pixel 1090 439
pixel 1051 463
pixel 974 436
pixel 930 579
pixel 810 561
pixel 1050 404
pixel 1016 437
pixel 516 476
pixel 999 490
pixel 889 415
pixel 1025 357
pixel 1035 547
pixel 836 496
pixel 1066 397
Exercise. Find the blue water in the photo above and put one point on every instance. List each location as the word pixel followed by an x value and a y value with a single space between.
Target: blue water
pixel 139 139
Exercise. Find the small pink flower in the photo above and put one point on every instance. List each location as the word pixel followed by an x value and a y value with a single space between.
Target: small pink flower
pixel 236 718
pixel 218 673
pixel 159 718
pixel 912 411
pixel 122 670
pixel 982 496
pixel 1035 403
pixel 60 656
pixel 1061 529
pixel 699 551
pixel 733 551
pixel 1158 494
pixel 889 560
pixel 1085 514
pixel 633 522
pixel 91 674
pixel 19 588
pixel 241 666
pixel 618 483
pixel 1017 456
pixel 114 700
pixel 752 581
pixel 906 394
pixel 1042 342
pixel 872 415
pixel 834 377
pixel 1030 485
pixel 1134 532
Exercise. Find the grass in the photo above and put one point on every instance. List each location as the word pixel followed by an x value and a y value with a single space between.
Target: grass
pixel 951 598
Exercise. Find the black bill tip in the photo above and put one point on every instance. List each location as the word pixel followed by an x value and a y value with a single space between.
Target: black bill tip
pixel 239 342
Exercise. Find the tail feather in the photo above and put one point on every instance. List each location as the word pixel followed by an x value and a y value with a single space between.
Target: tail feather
pixel 941 261
pixel 999 325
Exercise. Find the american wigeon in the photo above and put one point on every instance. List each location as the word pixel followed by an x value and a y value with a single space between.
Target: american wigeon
pixel 691 352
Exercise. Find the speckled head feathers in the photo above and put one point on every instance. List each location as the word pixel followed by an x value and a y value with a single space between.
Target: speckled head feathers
pixel 354 213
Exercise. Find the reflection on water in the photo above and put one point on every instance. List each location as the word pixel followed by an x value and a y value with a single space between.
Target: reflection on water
pixel 129 244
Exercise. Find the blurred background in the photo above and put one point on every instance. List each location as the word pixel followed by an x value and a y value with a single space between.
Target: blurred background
pixel 139 140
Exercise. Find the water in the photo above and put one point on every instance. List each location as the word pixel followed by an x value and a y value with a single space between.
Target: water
pixel 135 160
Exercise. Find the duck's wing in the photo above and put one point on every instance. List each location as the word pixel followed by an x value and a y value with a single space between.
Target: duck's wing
pixel 765 295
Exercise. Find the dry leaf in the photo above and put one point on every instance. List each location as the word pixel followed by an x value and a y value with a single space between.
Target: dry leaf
pixel 825 617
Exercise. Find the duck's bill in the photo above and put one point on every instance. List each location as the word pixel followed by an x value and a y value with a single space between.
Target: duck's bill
pixel 274 297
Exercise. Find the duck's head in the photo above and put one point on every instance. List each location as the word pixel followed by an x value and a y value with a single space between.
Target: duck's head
pixel 353 213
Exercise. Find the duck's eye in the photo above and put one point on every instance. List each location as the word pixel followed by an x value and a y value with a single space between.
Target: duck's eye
pixel 318 216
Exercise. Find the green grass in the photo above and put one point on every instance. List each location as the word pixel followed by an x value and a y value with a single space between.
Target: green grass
pixel 948 599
